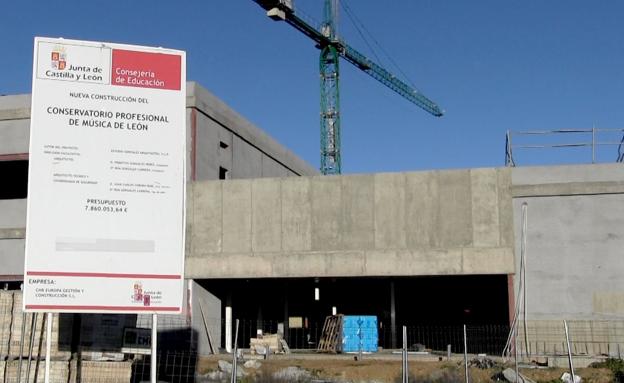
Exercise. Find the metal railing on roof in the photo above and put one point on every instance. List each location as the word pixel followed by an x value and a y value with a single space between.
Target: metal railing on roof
pixel 583 138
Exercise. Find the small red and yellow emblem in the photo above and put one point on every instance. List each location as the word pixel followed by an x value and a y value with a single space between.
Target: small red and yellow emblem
pixel 59 58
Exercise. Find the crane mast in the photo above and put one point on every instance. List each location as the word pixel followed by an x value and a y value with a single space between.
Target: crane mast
pixel 330 93
pixel 332 48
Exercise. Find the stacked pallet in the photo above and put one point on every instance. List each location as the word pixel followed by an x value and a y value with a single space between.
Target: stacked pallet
pixel 99 372
pixel 331 339
pixel 101 338
pixel 59 371
pixel 61 330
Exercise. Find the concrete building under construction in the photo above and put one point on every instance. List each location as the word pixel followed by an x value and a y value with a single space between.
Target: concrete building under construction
pixel 274 244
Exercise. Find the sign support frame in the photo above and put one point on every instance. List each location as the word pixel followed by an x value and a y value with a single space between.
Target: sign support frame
pixel 153 358
pixel 48 318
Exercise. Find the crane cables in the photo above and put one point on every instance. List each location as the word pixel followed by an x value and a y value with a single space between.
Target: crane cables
pixel 363 31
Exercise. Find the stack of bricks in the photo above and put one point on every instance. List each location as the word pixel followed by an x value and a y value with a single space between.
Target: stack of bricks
pixel 32 355
pixel 61 324
pixel 100 372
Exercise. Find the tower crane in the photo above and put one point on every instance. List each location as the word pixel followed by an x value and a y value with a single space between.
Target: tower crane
pixel 332 48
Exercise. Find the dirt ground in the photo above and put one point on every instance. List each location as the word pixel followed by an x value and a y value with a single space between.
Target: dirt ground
pixel 388 369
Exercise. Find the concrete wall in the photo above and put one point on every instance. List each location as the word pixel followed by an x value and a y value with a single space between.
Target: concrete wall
pixel 251 153
pixel 575 240
pixel 14 124
pixel 206 319
pixel 14 138
pixel 425 223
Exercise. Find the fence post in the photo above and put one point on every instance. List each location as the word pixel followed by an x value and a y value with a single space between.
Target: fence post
pixel 593 144
pixel 405 371
pixel 235 356
pixel 465 355
pixel 48 318
pixel 33 326
pixel 565 326
pixel 21 351
pixel 508 150
pixel 154 357
pixel 515 340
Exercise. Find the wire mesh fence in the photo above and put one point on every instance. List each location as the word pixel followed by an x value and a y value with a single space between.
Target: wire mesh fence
pixel 488 339
pixel 482 339
pixel 587 338
pixel 116 348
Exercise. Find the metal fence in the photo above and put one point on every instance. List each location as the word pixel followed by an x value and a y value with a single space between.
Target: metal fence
pixel 543 337
pixel 90 348
pixel 583 145
pixel 488 339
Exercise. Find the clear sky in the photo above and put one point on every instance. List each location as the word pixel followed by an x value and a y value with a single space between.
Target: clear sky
pixel 491 65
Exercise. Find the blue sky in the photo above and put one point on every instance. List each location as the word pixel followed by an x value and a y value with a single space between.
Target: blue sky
pixel 492 66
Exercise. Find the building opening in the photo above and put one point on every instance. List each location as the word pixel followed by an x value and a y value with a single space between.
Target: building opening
pixel 428 305
pixel 15 173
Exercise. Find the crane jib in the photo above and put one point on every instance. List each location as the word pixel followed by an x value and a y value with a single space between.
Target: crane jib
pixel 331 49
pixel 366 65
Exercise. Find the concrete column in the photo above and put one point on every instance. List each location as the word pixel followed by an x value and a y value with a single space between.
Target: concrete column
pixel 285 301
pixel 228 323
pixel 393 325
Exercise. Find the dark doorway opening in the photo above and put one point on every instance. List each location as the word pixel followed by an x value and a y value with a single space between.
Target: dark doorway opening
pixel 419 303
pixel 15 174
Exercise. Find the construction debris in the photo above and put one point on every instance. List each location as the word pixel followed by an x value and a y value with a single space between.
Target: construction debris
pixel 510 375
pixel 567 378
pixel 285 346
pixel 226 367
pixel 253 364
pixel 292 374
pixel 482 363
pixel 267 343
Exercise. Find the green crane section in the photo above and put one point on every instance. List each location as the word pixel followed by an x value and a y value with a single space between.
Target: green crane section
pixel 331 49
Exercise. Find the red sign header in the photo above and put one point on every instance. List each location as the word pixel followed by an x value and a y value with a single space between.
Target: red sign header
pixel 146 69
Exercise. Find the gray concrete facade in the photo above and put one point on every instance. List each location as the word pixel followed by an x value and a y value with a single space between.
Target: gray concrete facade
pixel 575 237
pixel 219 137
pixel 405 224
pixel 425 223
pixel 14 124
pixel 14 138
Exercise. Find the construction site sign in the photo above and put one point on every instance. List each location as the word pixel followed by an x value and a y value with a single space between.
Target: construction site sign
pixel 106 182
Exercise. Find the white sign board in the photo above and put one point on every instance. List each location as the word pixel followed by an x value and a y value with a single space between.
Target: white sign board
pixel 106 182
